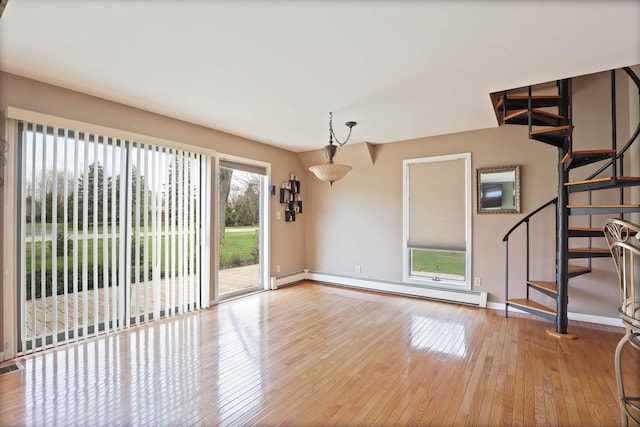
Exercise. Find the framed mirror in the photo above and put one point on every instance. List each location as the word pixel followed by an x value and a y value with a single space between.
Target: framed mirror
pixel 499 189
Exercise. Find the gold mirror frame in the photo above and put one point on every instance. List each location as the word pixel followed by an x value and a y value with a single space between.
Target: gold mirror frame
pixel 498 189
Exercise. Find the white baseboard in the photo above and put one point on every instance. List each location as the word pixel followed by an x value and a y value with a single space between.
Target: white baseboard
pixel 287 279
pixel 580 317
pixel 478 298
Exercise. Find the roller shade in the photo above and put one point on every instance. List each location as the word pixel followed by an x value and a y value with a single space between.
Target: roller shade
pixel 437 205
pixel 260 170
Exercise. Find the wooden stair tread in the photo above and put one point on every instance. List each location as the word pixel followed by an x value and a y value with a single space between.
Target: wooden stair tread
pixel 604 179
pixel 521 97
pixel 590 232
pixel 590 250
pixel 586 229
pixel 586 153
pixel 532 305
pixel 542 284
pixel 625 206
pixel 574 270
pixel 551 129
pixel 534 111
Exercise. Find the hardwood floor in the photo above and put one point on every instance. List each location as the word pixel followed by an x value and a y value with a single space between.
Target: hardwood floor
pixel 314 354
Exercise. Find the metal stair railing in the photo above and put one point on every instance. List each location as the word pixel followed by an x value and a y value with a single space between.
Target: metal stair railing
pixel 617 162
pixel 505 239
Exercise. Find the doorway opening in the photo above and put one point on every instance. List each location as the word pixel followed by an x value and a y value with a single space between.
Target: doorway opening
pixel 242 247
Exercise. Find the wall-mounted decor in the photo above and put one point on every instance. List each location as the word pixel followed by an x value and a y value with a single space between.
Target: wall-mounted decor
pixel 290 196
pixel 499 189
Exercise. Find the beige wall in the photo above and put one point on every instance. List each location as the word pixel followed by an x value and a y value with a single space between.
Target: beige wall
pixel 287 239
pixel 359 219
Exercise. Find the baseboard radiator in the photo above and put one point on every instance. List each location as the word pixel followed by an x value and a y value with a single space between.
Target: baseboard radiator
pixel 476 298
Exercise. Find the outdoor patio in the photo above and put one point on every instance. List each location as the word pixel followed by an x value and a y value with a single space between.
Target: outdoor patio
pixel 230 280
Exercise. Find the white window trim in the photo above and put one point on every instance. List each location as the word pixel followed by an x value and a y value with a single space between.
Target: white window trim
pixel 441 283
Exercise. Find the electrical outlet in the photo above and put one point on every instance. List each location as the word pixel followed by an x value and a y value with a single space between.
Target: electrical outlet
pixel 358 268
pixel 477 282
pixel 278 216
pixel 278 268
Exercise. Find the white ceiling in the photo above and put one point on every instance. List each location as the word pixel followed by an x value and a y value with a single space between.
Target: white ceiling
pixel 272 70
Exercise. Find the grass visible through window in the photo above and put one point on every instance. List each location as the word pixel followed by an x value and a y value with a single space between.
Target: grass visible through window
pixel 434 263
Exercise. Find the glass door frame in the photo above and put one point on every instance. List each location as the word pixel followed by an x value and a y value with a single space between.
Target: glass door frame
pixel 264 223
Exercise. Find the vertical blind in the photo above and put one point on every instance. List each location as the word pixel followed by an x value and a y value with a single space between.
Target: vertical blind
pixel 110 233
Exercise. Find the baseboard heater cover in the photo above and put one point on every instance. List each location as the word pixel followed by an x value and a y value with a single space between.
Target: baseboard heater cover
pixel 477 298
pixel 287 279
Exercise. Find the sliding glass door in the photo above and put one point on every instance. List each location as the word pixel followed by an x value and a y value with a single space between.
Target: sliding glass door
pixel 110 233
pixel 242 229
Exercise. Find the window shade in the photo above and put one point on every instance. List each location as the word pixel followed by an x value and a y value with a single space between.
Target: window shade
pixel 437 205
pixel 260 170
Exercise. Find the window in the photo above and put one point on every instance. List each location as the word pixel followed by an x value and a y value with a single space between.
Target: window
pixel 110 233
pixel 437 220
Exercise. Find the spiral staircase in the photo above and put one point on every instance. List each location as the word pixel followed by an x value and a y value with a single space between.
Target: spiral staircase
pixel 549 120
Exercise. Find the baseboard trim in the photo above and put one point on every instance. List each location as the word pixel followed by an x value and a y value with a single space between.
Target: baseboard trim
pixel 579 317
pixel 287 279
pixel 477 298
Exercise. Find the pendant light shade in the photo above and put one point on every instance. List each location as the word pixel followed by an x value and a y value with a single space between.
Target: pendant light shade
pixel 330 171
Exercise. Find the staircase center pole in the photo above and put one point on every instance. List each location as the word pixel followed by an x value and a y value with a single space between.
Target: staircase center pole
pixel 562 246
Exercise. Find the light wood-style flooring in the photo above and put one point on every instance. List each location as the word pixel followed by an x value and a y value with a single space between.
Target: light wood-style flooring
pixel 314 354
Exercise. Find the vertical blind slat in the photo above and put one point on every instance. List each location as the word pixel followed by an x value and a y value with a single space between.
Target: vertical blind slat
pixel 43 240
pixel 155 294
pixel 174 234
pixel 180 234
pixel 197 228
pixel 95 220
pixel 65 233
pixel 105 234
pixel 188 231
pixel 54 241
pixel 145 192
pixel 76 174
pixel 136 231
pixel 165 225
pixel 124 273
pixel 114 245
pixel 85 238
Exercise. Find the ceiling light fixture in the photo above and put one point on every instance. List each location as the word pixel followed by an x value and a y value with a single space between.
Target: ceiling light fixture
pixel 332 171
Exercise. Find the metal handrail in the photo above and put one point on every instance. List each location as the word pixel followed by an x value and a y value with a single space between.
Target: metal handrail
pixel 632 138
pixel 505 239
pixel 526 218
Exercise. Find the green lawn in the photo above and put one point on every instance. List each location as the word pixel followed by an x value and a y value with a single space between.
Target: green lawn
pixel 432 261
pixel 240 248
